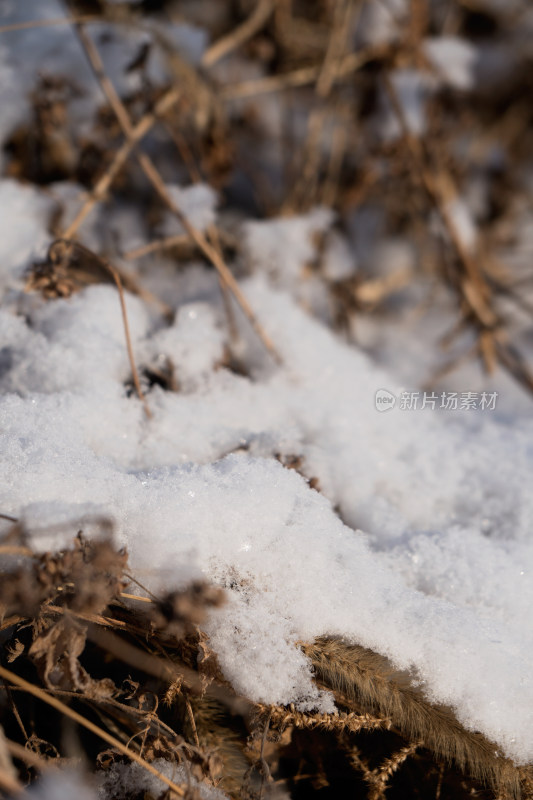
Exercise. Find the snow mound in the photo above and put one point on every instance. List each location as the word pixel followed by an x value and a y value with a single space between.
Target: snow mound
pixel 198 489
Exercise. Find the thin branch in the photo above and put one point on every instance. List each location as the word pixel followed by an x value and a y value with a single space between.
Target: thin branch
pixel 157 182
pixel 48 23
pixel 40 694
pixel 30 757
pixel 302 76
pixel 157 246
pixel 338 149
pixel 336 47
pixel 136 597
pixel 165 670
pixel 61 252
pixel 135 374
pixel 104 183
pixel 8 517
pixel 13 550
pixel 192 721
pixel 10 621
pixel 239 35
pixel 10 784
pixel 214 235
pixel 281 717
pixel 473 287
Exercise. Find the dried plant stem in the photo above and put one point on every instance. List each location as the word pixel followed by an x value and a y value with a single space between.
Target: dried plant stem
pixel 368 680
pixel 10 784
pixel 302 76
pixel 165 670
pixel 303 192
pixel 214 236
pixel 329 189
pixel 180 240
pixel 30 757
pixel 157 182
pixel 10 621
pixel 192 721
pixel 13 550
pixel 111 704
pixel 40 694
pixel 8 776
pixel 282 717
pixel 214 257
pixel 47 23
pixel 15 711
pixel 185 152
pixel 239 35
pixel 336 47
pixel 305 189
pixel 474 288
pixel 136 597
pixel 135 374
pixel 104 183
pixel 379 778
pixel 158 246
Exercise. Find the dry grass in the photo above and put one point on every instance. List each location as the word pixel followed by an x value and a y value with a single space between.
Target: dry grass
pixel 137 677
pixel 136 674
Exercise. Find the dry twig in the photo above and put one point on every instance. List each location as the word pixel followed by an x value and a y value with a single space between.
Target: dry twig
pixel 103 185
pixel 157 182
pixel 239 35
pixel 40 694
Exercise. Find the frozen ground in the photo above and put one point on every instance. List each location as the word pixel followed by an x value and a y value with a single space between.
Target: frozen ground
pixel 416 540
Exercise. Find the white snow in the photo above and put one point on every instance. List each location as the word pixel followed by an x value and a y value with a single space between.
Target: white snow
pixel 420 487
pixel 198 203
pixel 24 217
pixel 60 785
pixel 412 89
pixel 454 60
pixel 119 781
pixel 122 779
pixel 418 543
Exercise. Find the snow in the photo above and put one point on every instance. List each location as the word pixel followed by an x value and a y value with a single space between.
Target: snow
pixel 283 247
pixel 380 22
pixel 60 785
pixel 118 782
pixel 122 779
pixel 413 489
pixel 417 543
pixel 198 202
pixel 23 228
pixel 464 226
pixel 454 60
pixel 412 89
